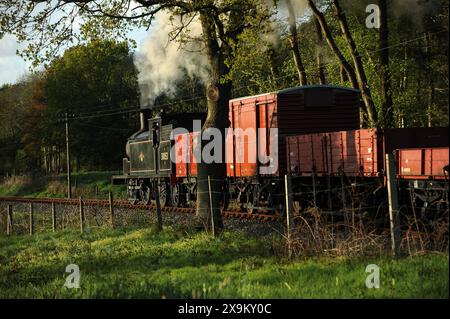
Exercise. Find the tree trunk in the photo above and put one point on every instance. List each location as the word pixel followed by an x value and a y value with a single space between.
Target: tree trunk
pixel 218 95
pixel 273 66
pixel 343 74
pixel 386 94
pixel 319 55
pixel 293 41
pixel 431 86
pixel 357 62
pixel 332 44
pixel 46 157
pixel 347 70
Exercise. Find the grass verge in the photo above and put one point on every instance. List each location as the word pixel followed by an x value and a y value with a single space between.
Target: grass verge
pixel 86 184
pixel 177 263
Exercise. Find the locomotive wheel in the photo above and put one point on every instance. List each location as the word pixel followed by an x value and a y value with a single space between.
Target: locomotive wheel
pixel 145 193
pixel 133 195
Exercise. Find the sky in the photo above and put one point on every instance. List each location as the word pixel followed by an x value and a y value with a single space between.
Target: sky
pixel 13 67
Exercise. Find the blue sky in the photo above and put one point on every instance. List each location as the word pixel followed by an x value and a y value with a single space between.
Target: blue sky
pixel 13 67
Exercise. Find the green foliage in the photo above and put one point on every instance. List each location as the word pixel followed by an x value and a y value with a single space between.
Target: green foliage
pixel 419 69
pixel 87 81
pixel 99 75
pixel 132 263
pixel 16 113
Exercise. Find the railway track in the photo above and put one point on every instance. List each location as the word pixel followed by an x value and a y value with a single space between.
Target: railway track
pixel 125 204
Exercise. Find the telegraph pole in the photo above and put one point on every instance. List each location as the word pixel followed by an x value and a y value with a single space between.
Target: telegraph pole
pixel 69 189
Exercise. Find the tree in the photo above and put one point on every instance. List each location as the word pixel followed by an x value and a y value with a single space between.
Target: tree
pixel 16 102
pixel 357 79
pixel 293 41
pixel 386 94
pixel 222 23
pixel 332 43
pixel 357 62
pixel 89 81
pixel 319 54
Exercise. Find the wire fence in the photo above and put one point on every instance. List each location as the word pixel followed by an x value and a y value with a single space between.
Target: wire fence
pixel 16 218
pixel 352 223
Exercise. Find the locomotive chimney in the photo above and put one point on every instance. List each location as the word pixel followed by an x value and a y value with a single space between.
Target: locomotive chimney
pixel 144 116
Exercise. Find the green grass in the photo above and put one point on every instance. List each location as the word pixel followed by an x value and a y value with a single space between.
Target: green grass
pixel 86 184
pixel 177 263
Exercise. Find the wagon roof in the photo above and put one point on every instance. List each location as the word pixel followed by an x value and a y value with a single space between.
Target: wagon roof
pixel 307 87
pixel 298 89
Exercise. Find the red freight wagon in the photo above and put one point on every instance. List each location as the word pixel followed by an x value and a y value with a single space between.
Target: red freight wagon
pixel 300 110
pixel 186 162
pixel 258 127
pixel 352 152
pixel 357 152
pixel 428 163
pixel 317 163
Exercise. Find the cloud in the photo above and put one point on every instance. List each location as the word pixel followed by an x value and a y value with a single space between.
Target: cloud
pixel 12 66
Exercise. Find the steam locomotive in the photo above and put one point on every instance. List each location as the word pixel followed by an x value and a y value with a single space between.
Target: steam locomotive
pixel 317 142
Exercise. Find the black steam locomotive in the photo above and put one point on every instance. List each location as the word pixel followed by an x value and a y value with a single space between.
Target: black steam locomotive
pixel 148 163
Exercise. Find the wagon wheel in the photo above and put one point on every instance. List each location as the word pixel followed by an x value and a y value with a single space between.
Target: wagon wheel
pixel 381 218
pixel 145 194
pixel 191 201
pixel 252 199
pixel 436 210
pixel 191 194
pixel 225 198
pixel 133 195
pixel 177 195
pixel 163 194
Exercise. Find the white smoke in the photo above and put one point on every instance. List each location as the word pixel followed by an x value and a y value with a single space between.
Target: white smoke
pixel 163 60
pixel 300 8
pixel 300 11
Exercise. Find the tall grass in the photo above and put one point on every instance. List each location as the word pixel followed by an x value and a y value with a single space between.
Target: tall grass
pixel 182 263
pixel 318 234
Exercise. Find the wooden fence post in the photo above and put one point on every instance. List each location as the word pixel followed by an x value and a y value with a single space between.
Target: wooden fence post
pixel 9 221
pixel 213 229
pixel 158 205
pixel 53 217
pixel 31 219
pixel 289 219
pixel 313 175
pixel 344 201
pixel 81 215
pixel 111 209
pixel 393 204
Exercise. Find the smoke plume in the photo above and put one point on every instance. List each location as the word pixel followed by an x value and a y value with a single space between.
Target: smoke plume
pixel 163 60
pixel 299 6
